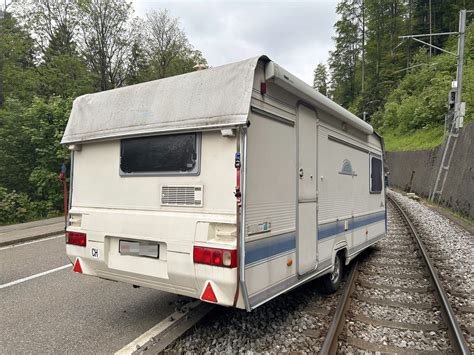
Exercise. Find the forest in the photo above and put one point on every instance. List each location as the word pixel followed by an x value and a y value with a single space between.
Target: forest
pixel 52 51
pixel 398 85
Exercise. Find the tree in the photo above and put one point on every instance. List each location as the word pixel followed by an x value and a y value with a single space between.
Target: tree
pixel 419 101
pixel 105 39
pixel 168 49
pixel 343 60
pixel 30 150
pixel 52 51
pixel 54 25
pixel 444 17
pixel 365 64
pixel 16 152
pixel 385 23
pixel 47 18
pixel 18 78
pixel 63 71
pixel 320 79
pixel 138 66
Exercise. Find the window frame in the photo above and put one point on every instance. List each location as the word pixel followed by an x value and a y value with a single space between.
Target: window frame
pixel 375 156
pixel 195 172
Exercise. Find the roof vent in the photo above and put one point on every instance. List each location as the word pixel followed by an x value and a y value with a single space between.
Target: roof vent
pixel 199 67
pixel 179 195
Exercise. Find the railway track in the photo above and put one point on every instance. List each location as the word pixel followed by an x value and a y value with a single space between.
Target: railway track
pixel 394 302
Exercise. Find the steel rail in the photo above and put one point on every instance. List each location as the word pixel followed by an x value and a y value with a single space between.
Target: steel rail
pixel 337 323
pixel 457 338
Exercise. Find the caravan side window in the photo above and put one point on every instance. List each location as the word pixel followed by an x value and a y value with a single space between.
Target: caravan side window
pixel 375 175
pixel 172 154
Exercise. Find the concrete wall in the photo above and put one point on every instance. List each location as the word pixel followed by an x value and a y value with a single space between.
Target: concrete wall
pixel 416 171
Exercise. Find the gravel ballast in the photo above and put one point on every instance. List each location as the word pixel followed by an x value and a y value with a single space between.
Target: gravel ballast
pixel 452 251
pixel 291 322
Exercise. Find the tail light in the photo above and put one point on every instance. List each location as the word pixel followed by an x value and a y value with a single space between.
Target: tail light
pixel 215 257
pixel 76 238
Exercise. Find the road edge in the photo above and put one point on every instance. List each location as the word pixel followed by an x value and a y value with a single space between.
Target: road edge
pixel 31 237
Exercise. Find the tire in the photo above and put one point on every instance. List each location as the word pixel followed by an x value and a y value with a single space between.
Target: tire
pixel 330 283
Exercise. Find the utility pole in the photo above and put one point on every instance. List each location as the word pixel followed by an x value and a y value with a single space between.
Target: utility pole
pixel 459 73
pixel 363 49
pixel 430 29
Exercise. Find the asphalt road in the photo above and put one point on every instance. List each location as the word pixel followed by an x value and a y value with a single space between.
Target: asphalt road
pixel 64 312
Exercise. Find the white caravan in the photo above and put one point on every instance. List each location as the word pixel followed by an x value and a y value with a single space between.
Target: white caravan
pixel 232 184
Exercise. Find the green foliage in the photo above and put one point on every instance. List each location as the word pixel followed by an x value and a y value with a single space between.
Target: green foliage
pixel 50 119
pixel 17 73
pixel 63 72
pixel 369 67
pixel 14 207
pixel 369 60
pixel 444 17
pixel 414 112
pixel 17 207
pixel 16 149
pixel 427 138
pixel 343 59
pixel 51 51
pixel 106 44
pixel 30 151
pixel 320 81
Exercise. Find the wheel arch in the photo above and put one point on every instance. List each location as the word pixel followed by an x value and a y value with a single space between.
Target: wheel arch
pixel 341 249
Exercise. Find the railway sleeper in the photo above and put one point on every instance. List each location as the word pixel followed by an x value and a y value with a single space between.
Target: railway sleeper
pixel 386 349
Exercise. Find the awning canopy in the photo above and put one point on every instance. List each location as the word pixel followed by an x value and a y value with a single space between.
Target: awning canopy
pixel 215 97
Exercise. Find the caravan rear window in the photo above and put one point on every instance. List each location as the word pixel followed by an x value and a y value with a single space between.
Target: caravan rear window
pixel 375 175
pixel 172 154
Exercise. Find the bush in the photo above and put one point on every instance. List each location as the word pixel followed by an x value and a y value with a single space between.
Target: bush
pixel 14 207
pixel 30 158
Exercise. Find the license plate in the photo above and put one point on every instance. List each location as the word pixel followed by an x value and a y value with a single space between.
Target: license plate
pixel 139 248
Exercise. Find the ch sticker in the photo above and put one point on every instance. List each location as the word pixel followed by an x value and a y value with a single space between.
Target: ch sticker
pixel 95 252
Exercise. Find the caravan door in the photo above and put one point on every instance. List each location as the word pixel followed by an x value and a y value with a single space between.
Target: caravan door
pixel 307 190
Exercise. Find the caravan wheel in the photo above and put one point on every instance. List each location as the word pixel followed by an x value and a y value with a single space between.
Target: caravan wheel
pixel 330 283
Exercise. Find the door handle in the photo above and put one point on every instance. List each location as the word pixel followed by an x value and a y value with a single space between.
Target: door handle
pixel 301 173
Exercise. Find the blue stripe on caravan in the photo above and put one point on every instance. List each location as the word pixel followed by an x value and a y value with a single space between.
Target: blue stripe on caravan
pixel 329 229
pixel 268 247
pixel 334 228
pixel 265 248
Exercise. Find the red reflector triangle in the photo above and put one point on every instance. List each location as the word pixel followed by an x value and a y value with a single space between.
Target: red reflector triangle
pixel 77 267
pixel 208 294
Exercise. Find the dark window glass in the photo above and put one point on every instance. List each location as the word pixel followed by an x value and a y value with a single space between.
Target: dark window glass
pixel 175 153
pixel 376 175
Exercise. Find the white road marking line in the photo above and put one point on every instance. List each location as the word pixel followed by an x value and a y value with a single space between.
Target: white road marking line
pixel 19 281
pixel 155 330
pixel 31 242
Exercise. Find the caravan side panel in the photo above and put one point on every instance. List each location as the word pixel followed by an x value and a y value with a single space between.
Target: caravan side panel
pixel 270 248
pixel 350 216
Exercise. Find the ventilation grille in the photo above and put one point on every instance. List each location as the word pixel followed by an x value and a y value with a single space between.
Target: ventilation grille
pixel 181 195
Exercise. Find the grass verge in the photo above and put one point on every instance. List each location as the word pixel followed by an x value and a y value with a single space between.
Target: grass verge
pixel 427 138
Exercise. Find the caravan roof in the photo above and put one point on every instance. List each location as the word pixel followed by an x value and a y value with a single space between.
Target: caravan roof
pixel 211 98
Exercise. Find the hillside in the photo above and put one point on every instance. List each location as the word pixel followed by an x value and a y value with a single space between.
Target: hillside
pixel 398 84
pixel 413 115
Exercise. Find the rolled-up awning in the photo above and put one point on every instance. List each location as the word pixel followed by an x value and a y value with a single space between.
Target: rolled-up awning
pixel 215 97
